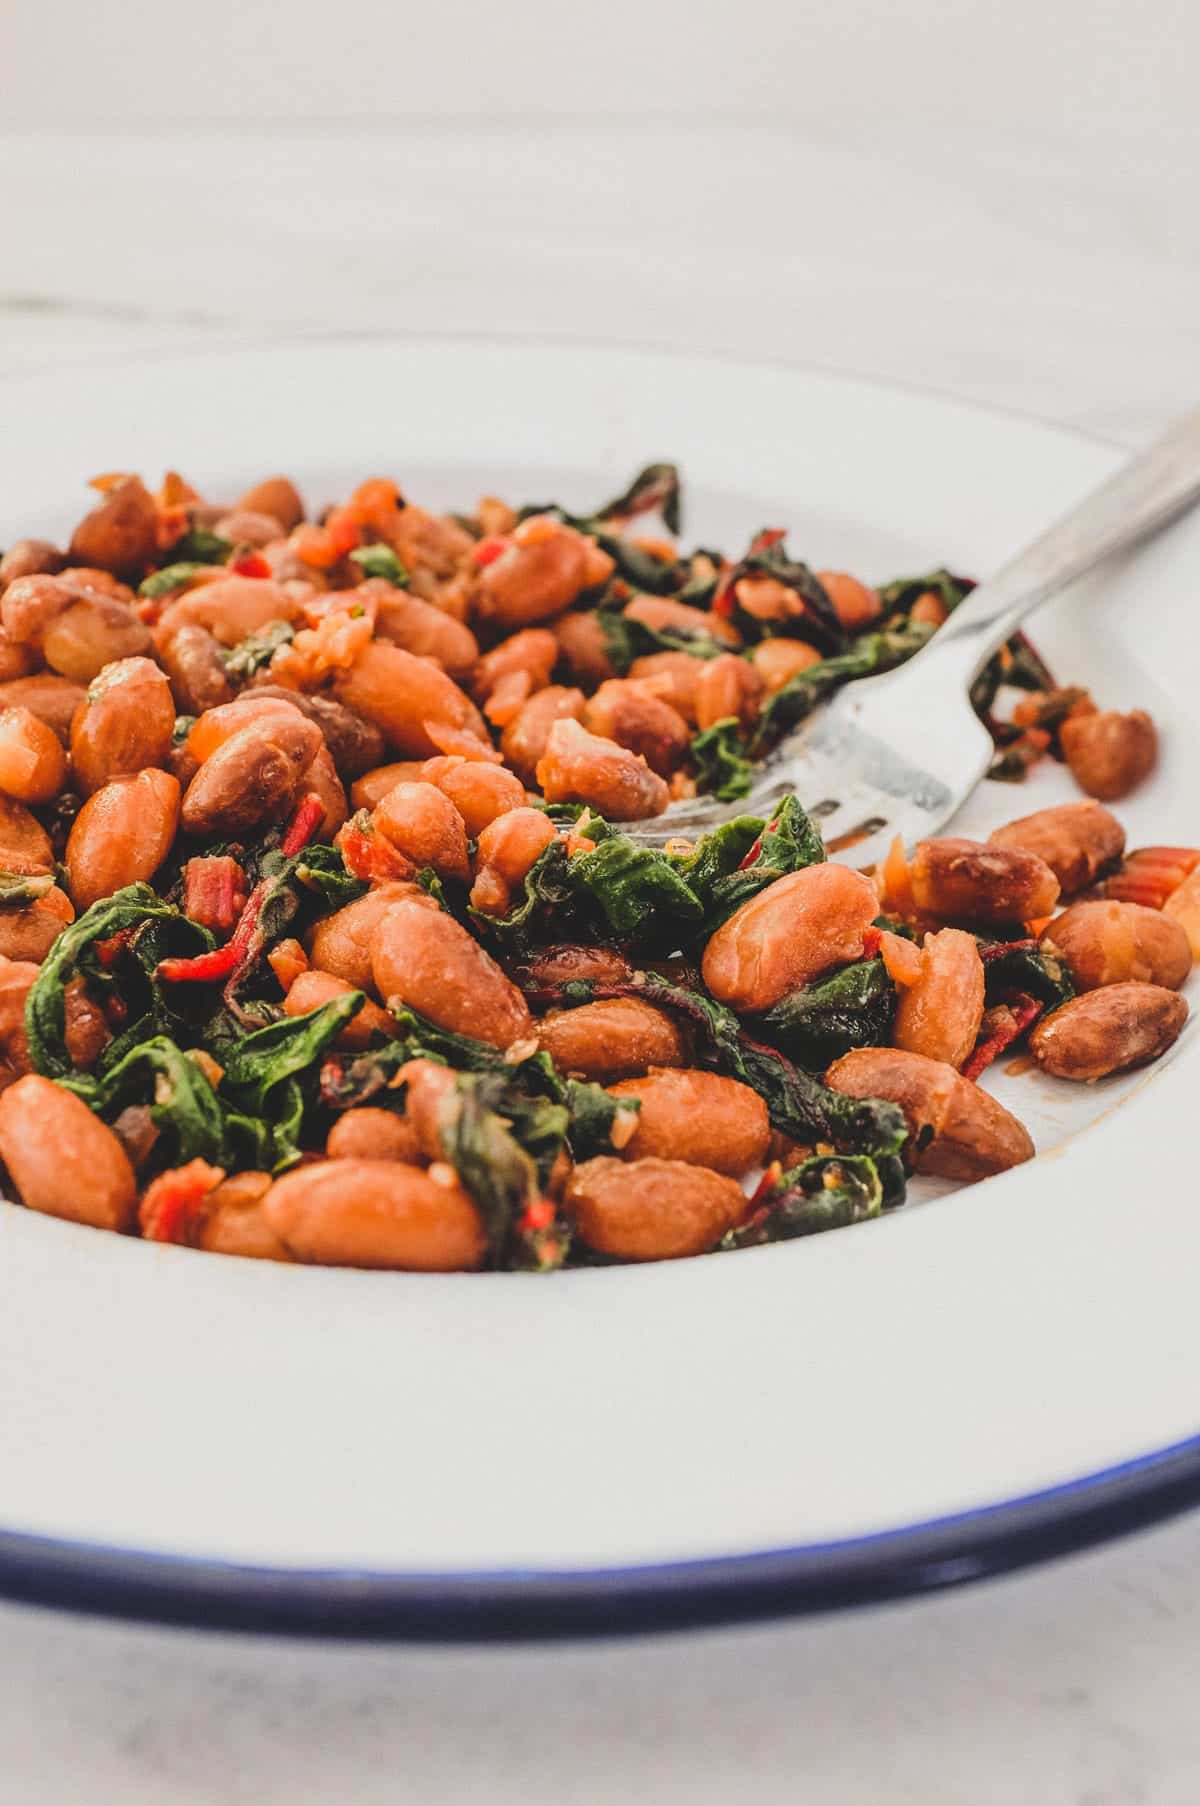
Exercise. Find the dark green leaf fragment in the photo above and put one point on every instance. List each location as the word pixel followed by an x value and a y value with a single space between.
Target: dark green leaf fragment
pixel 171 577
pixel 718 761
pixel 814 1026
pixel 826 1192
pixel 636 888
pixel 380 561
pixel 869 654
pixel 256 650
pixel 656 488
pixel 199 546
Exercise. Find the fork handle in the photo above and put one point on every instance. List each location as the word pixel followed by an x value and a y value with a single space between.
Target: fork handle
pixel 1144 496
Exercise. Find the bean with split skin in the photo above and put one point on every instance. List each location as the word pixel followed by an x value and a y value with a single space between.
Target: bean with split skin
pixel 427 960
pixel 965 881
pixel 699 1117
pixel 1106 942
pixel 1109 753
pixel 787 934
pixel 62 1159
pixel 509 847
pixel 376 1213
pixel 580 767
pixel 253 778
pixel 341 943
pixel 956 1128
pixel 1077 841
pixel 940 1014
pixel 421 822
pixel 1108 1030
pixel 121 835
pixel 125 724
pixel 615 1038
pixel 651 1209
pixel 523 741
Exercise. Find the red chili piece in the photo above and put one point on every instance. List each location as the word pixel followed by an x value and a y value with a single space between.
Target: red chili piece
pixel 488 550
pixel 251 564
pixel 1020 1015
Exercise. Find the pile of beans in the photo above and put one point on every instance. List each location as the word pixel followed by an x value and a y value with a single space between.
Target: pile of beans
pixel 185 681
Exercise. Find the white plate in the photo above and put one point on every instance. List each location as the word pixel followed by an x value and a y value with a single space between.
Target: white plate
pixel 796 1425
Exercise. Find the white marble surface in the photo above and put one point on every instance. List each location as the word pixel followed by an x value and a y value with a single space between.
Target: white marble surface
pixel 1054 271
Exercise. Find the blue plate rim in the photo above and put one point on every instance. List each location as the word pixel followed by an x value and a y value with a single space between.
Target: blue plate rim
pixel 514 1605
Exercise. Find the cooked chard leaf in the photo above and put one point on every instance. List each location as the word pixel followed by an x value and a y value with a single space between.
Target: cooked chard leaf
pixel 818 1023
pixel 322 870
pixel 547 891
pixel 380 561
pixel 718 760
pixel 592 1113
pixel 817 621
pixel 256 650
pixel 171 577
pixel 45 1009
pixel 899 596
pixel 503 1148
pixel 637 889
pixel 199 546
pixel 1013 966
pixel 826 1192
pixel 789 840
pixel 259 1062
pixel 869 654
pixel 656 488
pixel 19 888
pixel 184 1107
pixel 627 638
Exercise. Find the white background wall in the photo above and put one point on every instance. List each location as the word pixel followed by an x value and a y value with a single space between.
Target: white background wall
pixel 73 64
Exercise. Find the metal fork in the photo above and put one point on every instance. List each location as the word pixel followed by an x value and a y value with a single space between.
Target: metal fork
pixel 899 753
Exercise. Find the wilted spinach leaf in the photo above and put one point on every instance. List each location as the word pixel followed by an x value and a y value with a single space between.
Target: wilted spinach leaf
pixel 717 757
pixel 827 1192
pixel 380 561
pixel 815 1025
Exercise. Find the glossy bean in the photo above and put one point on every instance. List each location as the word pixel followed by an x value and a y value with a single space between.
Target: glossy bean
pixel 939 1015
pixel 425 959
pixel 33 765
pixel 253 778
pixel 675 676
pixel 231 608
pixel 375 1213
pixel 583 646
pixel 966 881
pixel 215 726
pixel 30 558
pixel 787 934
pixel 1107 943
pixel 92 633
pixel 616 1038
pixel 125 724
pixel 191 658
pixel 371 788
pixel 508 848
pixel 545 566
pixel 1108 1031
pixel 479 791
pixel 29 604
pixel 426 631
pixel 62 1159
pixel 728 687
pixel 856 604
pixel 231 1220
pixel 29 933
pixel 341 943
pixel 699 1117
pixel 777 661
pixel 355 744
pixel 579 767
pixel 370 1134
pixel 121 835
pixel 277 496
pixel 651 1209
pixel 632 716
pixel 956 1128
pixel 532 653
pixel 24 843
pixel 421 822
pixel 523 741
pixel 51 698
pixel 1110 753
pixel 1078 841
pixel 400 693
pixel 312 989
pixel 121 533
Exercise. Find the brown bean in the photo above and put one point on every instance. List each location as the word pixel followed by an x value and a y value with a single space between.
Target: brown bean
pixel 24 843
pixel 375 1213
pixel 544 568
pixel 92 582
pixel 29 933
pixel 231 1220
pixel 523 741
pixel 92 633
pixel 355 744
pixel 248 527
pixel 966 881
pixel 51 698
pixel 62 1159
pixel 675 675
pixel 1108 1031
pixel 400 693
pixel 369 790
pixel 121 835
pixel 479 791
pixel 120 534
pixel 532 653
pixel 30 558
pixel 549 968
pixel 940 1014
pixel 421 822
pixel 728 688
pixel 125 724
pixel 578 767
pixel 699 1117
pixel 430 1092
pixel 651 1209
pixel 16 661
pixel 253 778
pixel 783 937
pixel 191 658
pixel 16 980
pixel 617 1038
pixel 508 850
pixel 1107 943
pixel 215 726
pixel 1109 753
pixel 427 631
pixel 33 765
pixel 369 1134
pixel 635 718
pixel 341 942
pixel 777 661
pixel 424 958
pixel 230 608
pixel 85 1028
pixel 1077 841
pixel 277 496
pixel 661 612
pixel 313 989
pixel 29 604
pixel 855 604
pixel 956 1128
pixel 583 645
